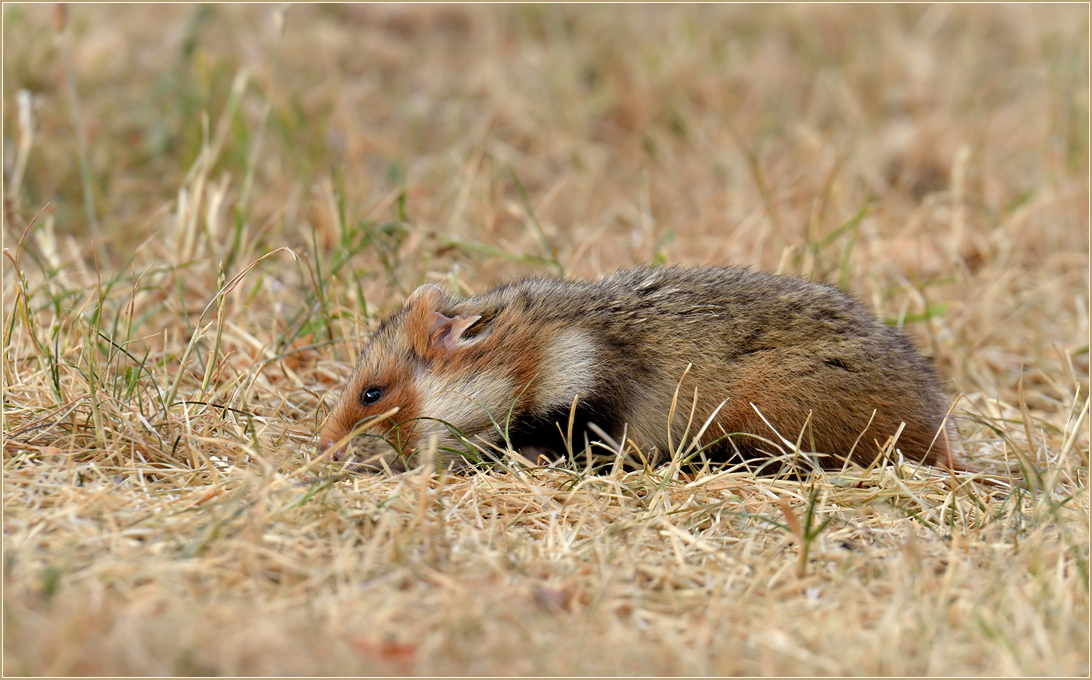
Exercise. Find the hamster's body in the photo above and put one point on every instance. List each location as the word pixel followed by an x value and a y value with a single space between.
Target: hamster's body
pixel 521 352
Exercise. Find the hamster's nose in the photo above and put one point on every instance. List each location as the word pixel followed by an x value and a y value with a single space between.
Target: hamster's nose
pixel 325 445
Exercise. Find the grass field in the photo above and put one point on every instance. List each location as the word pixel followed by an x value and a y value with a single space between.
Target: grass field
pixel 207 208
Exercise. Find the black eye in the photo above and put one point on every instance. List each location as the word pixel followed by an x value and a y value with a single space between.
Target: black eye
pixel 371 395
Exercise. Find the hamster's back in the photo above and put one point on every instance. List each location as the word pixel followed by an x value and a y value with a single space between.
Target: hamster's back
pixel 778 349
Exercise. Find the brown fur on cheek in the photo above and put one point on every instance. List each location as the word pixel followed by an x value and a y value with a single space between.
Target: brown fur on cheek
pixel 349 411
pixel 510 350
pixel 402 395
pixel 520 352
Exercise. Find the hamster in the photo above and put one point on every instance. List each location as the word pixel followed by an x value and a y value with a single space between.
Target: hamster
pixel 510 361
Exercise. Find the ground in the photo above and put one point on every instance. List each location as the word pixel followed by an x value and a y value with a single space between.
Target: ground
pixel 207 208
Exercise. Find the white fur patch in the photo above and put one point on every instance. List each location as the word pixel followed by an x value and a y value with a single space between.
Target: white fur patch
pixel 566 370
pixel 460 400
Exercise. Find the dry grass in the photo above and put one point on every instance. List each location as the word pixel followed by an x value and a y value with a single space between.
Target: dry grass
pixel 163 513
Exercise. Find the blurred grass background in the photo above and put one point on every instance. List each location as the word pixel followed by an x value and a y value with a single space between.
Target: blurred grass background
pixel 930 159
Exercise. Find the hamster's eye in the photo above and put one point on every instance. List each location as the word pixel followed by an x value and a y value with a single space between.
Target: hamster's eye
pixel 371 395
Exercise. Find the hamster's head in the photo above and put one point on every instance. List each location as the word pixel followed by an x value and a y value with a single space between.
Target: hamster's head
pixel 421 370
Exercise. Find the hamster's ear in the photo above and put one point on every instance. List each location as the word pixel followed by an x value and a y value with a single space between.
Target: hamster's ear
pixel 434 333
pixel 428 295
pixel 448 333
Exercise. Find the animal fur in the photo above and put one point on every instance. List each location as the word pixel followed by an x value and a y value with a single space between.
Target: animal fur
pixel 519 354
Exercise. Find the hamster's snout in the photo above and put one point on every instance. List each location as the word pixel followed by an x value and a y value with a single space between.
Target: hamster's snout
pixel 336 456
pixel 362 453
pixel 323 449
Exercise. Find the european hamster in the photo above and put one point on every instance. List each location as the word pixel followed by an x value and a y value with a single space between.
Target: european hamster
pixel 514 358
